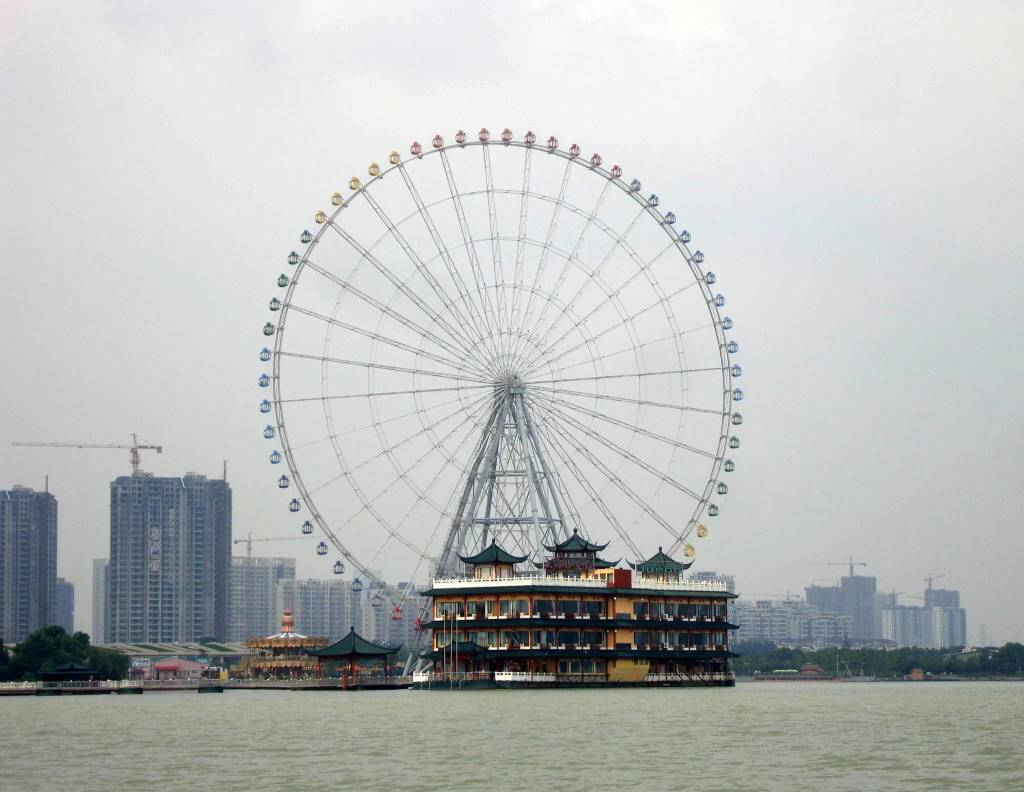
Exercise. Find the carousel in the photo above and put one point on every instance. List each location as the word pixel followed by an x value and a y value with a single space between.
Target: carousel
pixel 286 655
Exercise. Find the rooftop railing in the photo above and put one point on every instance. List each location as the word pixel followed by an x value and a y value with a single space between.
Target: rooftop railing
pixel 639 582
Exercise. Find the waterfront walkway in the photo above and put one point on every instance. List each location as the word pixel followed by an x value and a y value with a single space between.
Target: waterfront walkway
pixel 135 686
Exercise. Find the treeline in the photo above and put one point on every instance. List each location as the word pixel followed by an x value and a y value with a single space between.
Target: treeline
pixel 765 656
pixel 50 648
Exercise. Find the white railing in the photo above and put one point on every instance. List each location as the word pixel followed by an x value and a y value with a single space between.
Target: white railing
pixel 639 582
pixel 523 676
pixel 696 676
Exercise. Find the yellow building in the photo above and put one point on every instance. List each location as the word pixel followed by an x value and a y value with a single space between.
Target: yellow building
pixel 578 621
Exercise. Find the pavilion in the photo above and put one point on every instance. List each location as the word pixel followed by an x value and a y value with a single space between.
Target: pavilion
pixel 352 658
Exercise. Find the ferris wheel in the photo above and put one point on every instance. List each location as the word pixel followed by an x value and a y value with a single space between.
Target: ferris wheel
pixel 497 340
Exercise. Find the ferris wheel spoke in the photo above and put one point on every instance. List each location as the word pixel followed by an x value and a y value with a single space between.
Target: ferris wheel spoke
pixel 546 249
pixel 456 345
pixel 388 275
pixel 521 238
pixel 608 474
pixel 574 254
pixel 618 242
pixel 403 475
pixel 374 394
pixel 631 318
pixel 381 366
pixel 568 460
pixel 616 353
pixel 458 317
pixel 473 317
pixel 492 218
pixel 641 430
pixel 632 375
pixel 485 306
pixel 387 450
pixel 625 453
pixel 377 337
pixel 626 400
pixel 641 271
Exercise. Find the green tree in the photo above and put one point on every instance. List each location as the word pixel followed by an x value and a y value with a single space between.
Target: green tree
pixel 49 648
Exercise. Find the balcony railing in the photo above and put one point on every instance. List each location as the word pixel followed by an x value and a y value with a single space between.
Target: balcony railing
pixel 639 582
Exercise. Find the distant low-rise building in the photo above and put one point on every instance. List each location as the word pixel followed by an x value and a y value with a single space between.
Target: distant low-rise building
pixel 790 622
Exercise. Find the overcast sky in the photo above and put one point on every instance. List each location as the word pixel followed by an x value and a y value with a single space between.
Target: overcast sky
pixel 854 170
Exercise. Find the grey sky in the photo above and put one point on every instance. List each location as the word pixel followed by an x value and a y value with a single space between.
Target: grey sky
pixel 853 171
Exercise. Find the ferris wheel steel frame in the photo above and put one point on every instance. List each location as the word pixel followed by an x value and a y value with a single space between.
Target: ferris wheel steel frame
pixel 466 339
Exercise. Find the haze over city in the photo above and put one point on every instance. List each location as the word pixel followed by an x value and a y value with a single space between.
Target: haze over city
pixel 852 174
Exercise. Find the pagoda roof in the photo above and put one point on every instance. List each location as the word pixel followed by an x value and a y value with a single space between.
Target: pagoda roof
pixel 493 554
pixel 600 563
pixel 354 644
pixel 661 563
pixel 576 544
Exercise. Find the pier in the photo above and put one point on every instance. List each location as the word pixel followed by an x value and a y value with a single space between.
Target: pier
pixel 136 686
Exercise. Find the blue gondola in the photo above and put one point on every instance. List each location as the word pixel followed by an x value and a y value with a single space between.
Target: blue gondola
pixel 357 586
pixel 307 528
pixel 339 568
pixel 268 432
pixel 321 549
pixel 265 354
pixel 283 482
pixel 294 505
pixel 275 457
pixel 293 258
pixel 264 406
pixel 264 380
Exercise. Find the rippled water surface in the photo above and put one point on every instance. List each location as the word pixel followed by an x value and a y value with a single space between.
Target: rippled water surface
pixel 758 736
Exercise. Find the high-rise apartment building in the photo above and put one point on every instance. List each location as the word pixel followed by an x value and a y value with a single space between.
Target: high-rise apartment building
pixel 322 608
pixel 100 600
pixel 939 624
pixel 65 605
pixel 854 597
pixel 28 562
pixel 170 552
pixel 253 610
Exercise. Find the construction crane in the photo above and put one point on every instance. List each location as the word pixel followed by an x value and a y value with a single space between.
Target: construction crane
pixel 850 562
pixel 134 448
pixel 249 540
pixel 932 577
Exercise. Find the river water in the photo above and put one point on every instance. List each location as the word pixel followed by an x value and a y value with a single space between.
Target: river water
pixel 756 736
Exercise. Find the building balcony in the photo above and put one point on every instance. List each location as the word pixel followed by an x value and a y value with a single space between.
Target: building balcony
pixel 557 581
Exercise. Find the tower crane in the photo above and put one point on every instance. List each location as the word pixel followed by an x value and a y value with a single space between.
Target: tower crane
pixel 931 578
pixel 248 540
pixel 850 562
pixel 134 448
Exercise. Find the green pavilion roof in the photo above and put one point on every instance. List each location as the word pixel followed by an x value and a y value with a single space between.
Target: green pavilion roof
pixel 660 563
pixel 576 544
pixel 354 644
pixel 493 554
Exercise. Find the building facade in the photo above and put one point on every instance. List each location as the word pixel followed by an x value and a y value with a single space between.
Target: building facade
pixel 932 627
pixel 789 623
pixel 252 599
pixel 327 608
pixel 28 562
pixel 100 600
pixel 65 604
pixel 581 622
pixel 170 551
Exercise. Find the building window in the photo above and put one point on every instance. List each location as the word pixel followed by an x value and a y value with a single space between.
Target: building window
pixel 544 607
